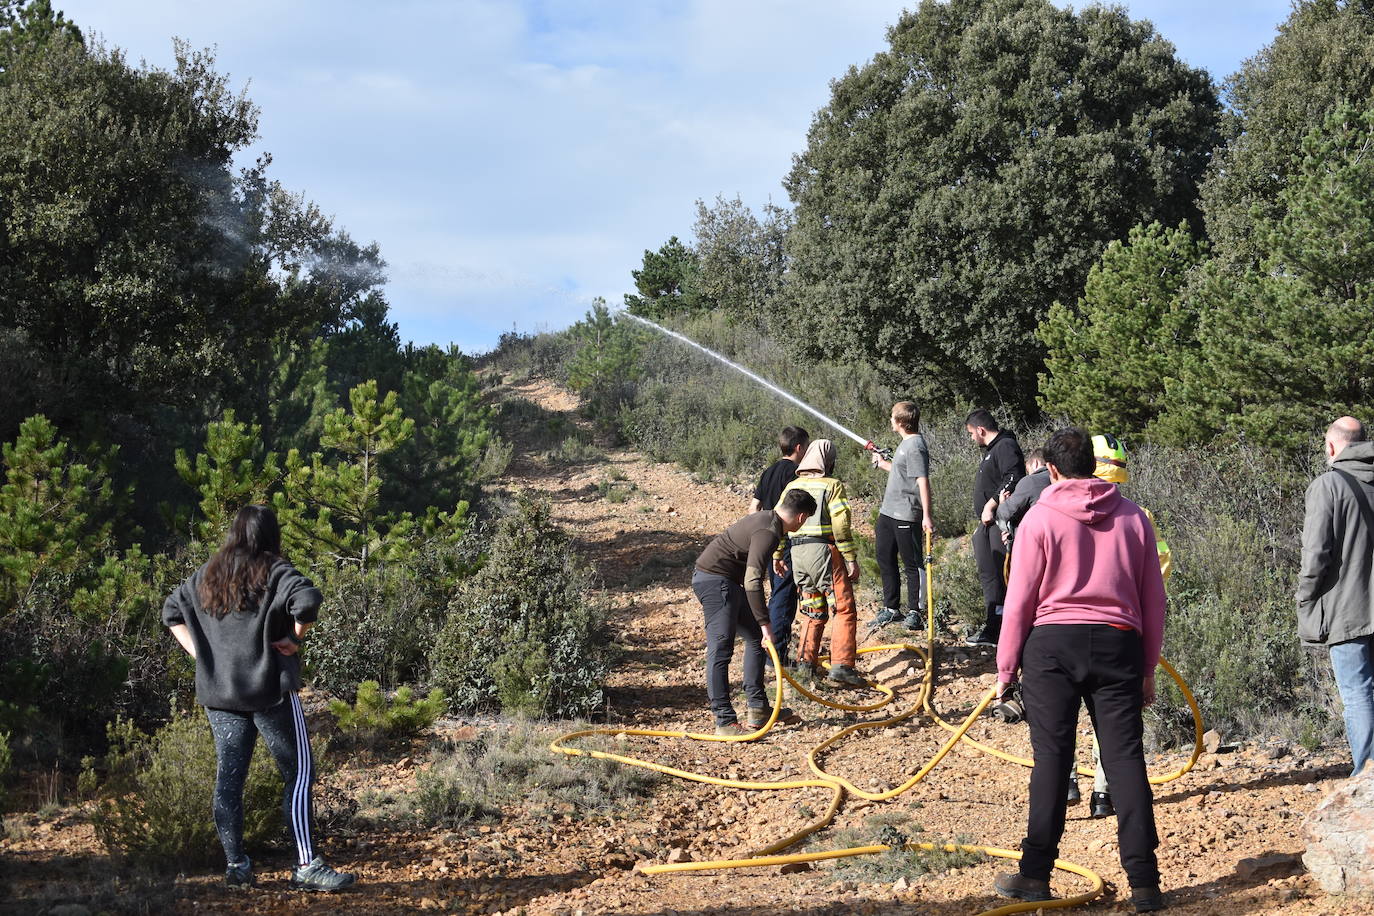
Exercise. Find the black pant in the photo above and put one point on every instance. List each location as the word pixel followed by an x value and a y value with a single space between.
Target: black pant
pixel 894 539
pixel 236 733
pixel 1100 665
pixel 727 613
pixel 991 554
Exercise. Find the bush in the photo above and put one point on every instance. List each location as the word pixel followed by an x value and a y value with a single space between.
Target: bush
pixel 373 718
pixel 380 624
pixel 958 593
pixel 525 634
pixel 512 764
pixel 6 761
pixel 155 805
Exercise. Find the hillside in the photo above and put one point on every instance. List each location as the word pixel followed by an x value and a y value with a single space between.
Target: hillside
pixel 641 524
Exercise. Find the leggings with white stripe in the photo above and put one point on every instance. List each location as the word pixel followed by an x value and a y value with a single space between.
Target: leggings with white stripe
pixel 283 728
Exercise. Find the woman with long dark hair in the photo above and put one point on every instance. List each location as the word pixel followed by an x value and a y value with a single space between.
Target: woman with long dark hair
pixel 241 616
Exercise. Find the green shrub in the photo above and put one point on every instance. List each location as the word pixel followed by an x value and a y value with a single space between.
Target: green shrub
pixel 525 634
pixel 513 765
pixel 154 808
pixel 6 761
pixel 898 861
pixel 380 624
pixel 958 593
pixel 373 718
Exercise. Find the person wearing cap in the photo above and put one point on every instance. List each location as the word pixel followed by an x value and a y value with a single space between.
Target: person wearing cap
pixel 825 566
pixel 1109 456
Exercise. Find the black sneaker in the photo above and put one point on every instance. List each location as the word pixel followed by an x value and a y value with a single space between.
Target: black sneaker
pixel 883 618
pixel 1100 805
pixel 983 637
pixel 240 874
pixel 1148 899
pixel 1018 887
pixel 1074 796
pixel 915 621
pixel 318 876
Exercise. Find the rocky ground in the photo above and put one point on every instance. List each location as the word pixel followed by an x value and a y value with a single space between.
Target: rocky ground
pixel 641 524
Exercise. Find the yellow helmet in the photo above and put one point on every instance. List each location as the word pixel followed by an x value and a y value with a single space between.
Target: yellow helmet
pixel 1111 459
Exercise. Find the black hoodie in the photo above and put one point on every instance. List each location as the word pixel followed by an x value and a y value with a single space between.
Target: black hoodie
pixel 1002 466
pixel 236 666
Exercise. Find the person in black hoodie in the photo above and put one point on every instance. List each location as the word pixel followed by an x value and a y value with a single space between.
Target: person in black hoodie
pixel 241 616
pixel 1002 467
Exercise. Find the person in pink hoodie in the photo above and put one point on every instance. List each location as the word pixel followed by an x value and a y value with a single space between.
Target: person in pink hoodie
pixel 1084 622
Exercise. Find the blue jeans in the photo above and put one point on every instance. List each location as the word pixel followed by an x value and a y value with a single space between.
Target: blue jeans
pixel 1353 664
pixel 782 607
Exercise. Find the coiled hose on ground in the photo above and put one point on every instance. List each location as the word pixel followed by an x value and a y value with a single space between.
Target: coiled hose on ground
pixel 840 787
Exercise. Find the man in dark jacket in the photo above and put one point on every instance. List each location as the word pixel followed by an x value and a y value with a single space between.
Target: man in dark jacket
pixel 1002 468
pixel 1336 583
pixel 1014 504
pixel 728 581
pixel 782 600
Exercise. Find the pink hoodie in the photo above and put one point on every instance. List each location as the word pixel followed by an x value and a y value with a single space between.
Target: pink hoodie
pixel 1083 554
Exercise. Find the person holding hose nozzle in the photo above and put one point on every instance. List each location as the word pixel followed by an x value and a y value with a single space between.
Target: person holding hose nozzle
pixel 1001 469
pixel 825 565
pixel 728 580
pixel 904 513
pixel 1084 622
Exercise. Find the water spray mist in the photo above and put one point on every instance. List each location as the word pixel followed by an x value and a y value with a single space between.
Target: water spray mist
pixel 828 421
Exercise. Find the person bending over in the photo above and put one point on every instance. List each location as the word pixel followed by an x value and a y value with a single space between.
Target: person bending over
pixel 728 581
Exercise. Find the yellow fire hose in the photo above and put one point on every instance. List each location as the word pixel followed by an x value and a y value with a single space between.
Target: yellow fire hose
pixel 839 786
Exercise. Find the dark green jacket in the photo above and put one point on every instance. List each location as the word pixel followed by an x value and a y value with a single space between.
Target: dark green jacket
pixel 1336 584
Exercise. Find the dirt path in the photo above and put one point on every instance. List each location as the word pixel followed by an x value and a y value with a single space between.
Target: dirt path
pixel 641 524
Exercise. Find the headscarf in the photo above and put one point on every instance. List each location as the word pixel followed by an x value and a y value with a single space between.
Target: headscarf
pixel 819 460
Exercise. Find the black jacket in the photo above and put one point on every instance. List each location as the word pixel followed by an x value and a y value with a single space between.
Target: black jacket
pixel 236 666
pixel 1002 466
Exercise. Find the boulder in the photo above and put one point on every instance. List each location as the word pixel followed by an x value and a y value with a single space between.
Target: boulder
pixel 1340 838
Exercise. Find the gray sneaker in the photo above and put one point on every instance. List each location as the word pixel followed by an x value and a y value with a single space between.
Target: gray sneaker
pixel 320 877
pixel 883 618
pixel 757 716
pixel 240 874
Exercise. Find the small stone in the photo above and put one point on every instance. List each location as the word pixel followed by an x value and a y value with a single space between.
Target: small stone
pixel 1275 865
pixel 901 884
pixel 678 854
pixel 795 868
pixel 1212 741
pixel 1276 752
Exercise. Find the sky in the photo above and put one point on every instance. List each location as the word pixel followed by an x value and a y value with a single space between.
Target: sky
pixel 514 159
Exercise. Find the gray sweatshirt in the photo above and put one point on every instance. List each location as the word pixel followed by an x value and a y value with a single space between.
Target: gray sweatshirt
pixel 1336 584
pixel 236 666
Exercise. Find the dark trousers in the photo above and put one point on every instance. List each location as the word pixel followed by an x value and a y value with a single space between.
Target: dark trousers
pixel 283 729
pixel 782 606
pixel 727 614
pixel 897 540
pixel 990 554
pixel 1101 666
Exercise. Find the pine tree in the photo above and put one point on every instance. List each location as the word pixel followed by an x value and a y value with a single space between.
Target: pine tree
pixel 1108 358
pixel 233 471
pixel 331 510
